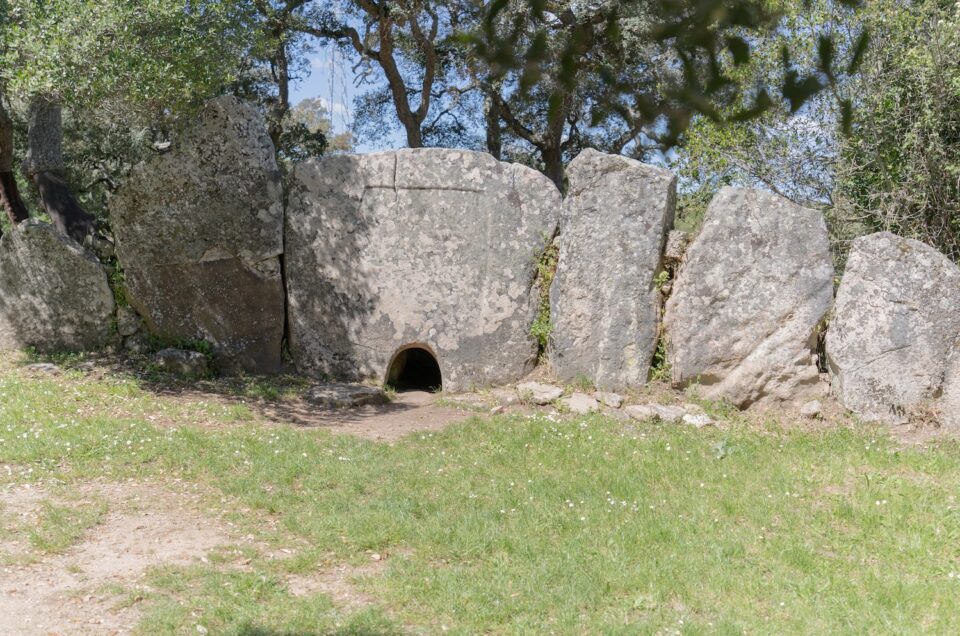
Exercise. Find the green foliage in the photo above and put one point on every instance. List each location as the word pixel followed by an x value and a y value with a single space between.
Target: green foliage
pixel 900 171
pixel 546 268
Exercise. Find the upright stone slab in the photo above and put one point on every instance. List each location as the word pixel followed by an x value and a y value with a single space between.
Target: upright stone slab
pixel 755 283
pixel 948 406
pixel 54 295
pixel 199 234
pixel 426 248
pixel 604 303
pixel 894 327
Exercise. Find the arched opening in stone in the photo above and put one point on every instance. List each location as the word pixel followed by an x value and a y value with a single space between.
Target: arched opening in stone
pixel 414 368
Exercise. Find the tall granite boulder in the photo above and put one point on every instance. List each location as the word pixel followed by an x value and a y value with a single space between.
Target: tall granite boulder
pixel 604 303
pixel 894 327
pixel 754 285
pixel 428 248
pixel 54 295
pixel 199 234
pixel 948 406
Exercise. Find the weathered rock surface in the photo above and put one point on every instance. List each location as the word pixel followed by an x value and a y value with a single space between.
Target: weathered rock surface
pixel 948 408
pixel 340 395
pixel 580 403
pixel 613 400
pixel 604 306
pixel 662 412
pixel 186 364
pixel 199 234
pixel 894 327
pixel 539 394
pixel 755 283
pixel 427 247
pixel 54 295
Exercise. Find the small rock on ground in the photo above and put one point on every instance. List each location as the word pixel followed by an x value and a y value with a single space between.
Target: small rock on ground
pixel 699 420
pixel 667 414
pixel 539 394
pixel 342 395
pixel 581 403
pixel 187 364
pixel 811 409
pixel 613 400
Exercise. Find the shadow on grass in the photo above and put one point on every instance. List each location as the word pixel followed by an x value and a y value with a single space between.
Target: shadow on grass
pixel 278 398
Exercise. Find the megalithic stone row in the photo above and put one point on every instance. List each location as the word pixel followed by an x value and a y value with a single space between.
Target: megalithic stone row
pixel 895 328
pixel 604 301
pixel 54 295
pixel 742 321
pixel 199 234
pixel 428 249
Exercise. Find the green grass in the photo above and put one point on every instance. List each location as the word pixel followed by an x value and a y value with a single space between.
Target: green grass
pixel 521 525
pixel 60 526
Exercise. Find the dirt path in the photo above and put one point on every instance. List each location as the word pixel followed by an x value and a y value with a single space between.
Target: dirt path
pixel 70 593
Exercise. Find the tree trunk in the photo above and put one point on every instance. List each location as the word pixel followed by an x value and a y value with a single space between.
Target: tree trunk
pixel 553 164
pixel 494 133
pixel 10 199
pixel 46 169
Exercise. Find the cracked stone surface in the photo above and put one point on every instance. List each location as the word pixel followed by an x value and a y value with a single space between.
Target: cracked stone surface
pixel 604 305
pixel 199 234
pixel 741 323
pixel 54 295
pixel 428 247
pixel 894 327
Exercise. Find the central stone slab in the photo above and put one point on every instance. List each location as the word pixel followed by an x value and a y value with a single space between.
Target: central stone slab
pixel 428 248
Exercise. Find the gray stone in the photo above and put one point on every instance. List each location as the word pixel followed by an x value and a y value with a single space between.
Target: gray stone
pixel 428 248
pixel 753 287
pixel 580 403
pixel 677 242
pixel 539 394
pixel 894 327
pixel 54 295
pixel 341 395
pixel 613 400
pixel 43 367
pixel 186 364
pixel 136 344
pixel 128 321
pixel 505 397
pixel 811 409
pixel 604 305
pixel 199 233
pixel 664 413
pixel 698 420
pixel 948 407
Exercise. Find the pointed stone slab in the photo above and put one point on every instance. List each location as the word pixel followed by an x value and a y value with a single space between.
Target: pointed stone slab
pixel 604 304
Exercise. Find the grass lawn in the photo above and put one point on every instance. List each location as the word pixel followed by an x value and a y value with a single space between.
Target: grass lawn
pixel 518 525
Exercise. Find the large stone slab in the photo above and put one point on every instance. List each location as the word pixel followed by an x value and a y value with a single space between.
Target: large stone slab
pixel 948 406
pixel 754 285
pixel 604 305
pixel 431 248
pixel 54 295
pixel 894 327
pixel 199 234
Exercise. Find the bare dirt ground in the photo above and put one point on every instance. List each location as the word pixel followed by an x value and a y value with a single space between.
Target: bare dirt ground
pixel 76 592
pixel 407 413
pixel 91 588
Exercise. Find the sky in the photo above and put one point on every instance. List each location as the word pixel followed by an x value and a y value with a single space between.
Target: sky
pixel 330 78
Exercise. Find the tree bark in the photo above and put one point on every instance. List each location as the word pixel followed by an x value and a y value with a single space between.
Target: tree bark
pixel 45 167
pixel 494 133
pixel 10 199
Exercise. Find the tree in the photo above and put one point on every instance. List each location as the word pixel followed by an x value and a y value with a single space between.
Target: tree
pixel 149 60
pixel 413 44
pixel 900 170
